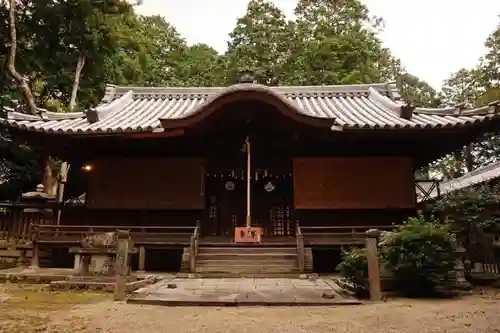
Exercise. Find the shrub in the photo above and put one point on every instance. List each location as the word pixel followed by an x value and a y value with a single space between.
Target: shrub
pixel 471 212
pixel 354 268
pixel 421 255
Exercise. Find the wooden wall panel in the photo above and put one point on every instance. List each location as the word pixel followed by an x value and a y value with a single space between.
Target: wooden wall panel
pixel 153 183
pixel 353 183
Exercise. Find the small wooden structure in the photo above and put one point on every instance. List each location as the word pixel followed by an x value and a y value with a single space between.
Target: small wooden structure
pixel 174 165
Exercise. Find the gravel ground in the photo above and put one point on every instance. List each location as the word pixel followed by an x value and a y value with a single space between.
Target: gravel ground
pixel 477 313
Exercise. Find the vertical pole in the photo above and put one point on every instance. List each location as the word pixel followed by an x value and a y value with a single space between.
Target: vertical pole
pixel 373 264
pixel 142 258
pixel 249 175
pixel 121 264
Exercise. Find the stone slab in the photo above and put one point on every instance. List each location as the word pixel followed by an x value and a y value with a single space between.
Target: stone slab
pixel 244 291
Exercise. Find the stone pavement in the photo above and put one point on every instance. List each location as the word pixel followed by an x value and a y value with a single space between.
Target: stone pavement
pixel 241 291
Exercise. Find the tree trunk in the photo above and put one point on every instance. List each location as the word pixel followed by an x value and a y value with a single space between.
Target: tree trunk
pixel 48 178
pixel 458 159
pixel 21 81
pixel 469 158
pixel 76 82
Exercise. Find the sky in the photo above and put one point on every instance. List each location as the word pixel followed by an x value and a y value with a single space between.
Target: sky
pixel 433 38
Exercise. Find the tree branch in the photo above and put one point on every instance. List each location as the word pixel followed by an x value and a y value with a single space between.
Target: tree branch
pixel 21 81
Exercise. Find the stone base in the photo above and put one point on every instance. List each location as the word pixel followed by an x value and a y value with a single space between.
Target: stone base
pixel 101 284
pixel 30 276
pixel 241 292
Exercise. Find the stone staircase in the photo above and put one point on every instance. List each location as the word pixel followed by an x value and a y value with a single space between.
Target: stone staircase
pixel 238 261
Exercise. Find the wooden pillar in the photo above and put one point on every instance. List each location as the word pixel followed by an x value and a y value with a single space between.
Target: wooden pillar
pixel 35 256
pixel 372 237
pixel 142 258
pixel 121 265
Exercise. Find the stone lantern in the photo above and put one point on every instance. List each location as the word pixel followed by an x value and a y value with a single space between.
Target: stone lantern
pixel 35 212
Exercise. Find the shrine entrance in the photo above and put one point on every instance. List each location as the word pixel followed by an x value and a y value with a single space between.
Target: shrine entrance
pixel 226 195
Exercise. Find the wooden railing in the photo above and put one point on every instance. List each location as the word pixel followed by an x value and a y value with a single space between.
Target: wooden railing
pixel 17 219
pixel 193 247
pixel 300 249
pixel 16 226
pixel 490 263
pixel 141 235
pixel 337 235
pixel 426 189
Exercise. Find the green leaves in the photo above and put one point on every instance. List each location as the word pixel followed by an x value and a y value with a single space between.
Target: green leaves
pixel 329 42
pixel 471 212
pixel 260 42
pixel 421 254
pixel 354 267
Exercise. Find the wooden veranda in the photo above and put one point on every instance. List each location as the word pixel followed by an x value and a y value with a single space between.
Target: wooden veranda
pixel 28 233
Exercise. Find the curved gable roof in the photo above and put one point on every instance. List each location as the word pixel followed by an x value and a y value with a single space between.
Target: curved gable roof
pixel 144 109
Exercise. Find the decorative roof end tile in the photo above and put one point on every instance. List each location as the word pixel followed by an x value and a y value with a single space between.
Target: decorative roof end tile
pixel 246 76
pixel 406 111
pixel 92 115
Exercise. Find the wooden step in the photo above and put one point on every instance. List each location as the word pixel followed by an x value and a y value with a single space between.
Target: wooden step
pixel 215 275
pixel 239 261
pixel 246 269
pixel 236 263
pixel 245 262
pixel 234 250
pixel 247 256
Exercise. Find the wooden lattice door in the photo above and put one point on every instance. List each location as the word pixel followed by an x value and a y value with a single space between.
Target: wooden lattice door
pixel 272 193
pixel 225 201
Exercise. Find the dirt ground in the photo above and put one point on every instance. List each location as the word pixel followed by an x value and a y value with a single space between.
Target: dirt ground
pixel 28 309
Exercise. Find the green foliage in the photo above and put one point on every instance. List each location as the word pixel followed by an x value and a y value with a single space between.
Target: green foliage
pixel 260 42
pixel 354 267
pixel 417 92
pixel 18 167
pixel 470 211
pixel 474 205
pixel 421 256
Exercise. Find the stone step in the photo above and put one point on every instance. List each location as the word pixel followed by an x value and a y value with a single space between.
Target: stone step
pixel 247 250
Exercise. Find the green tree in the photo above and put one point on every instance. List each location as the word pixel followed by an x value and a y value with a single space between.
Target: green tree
pixel 260 42
pixel 417 92
pixel 201 66
pixel 336 43
pixel 470 212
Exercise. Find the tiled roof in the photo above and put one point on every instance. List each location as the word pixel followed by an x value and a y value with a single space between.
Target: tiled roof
pixel 478 176
pixel 140 109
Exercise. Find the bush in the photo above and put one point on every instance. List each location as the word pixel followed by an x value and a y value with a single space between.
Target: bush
pixel 421 255
pixel 354 268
